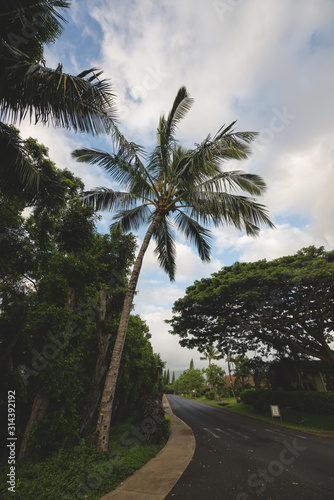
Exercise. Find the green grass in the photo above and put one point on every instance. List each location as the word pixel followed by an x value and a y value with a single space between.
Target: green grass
pixel 82 472
pixel 307 422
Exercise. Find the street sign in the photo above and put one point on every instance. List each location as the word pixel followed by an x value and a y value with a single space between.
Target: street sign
pixel 275 411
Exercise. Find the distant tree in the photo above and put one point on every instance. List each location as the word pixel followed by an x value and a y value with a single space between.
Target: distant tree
pixel 242 371
pixel 210 353
pixel 215 376
pixel 285 305
pixel 189 382
pixel 191 365
pixel 173 378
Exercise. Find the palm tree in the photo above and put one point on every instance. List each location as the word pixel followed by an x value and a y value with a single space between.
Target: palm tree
pixel 172 188
pixel 29 89
pixel 211 353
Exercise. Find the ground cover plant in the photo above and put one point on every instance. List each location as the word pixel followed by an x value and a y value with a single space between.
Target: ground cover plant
pixel 83 472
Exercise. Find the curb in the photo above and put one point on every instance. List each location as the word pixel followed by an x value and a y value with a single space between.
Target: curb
pixel 156 478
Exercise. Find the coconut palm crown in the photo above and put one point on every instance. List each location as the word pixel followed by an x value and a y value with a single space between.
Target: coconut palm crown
pixel 180 189
pixel 167 189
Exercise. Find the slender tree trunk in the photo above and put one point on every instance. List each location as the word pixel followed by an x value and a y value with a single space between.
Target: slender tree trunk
pixel 101 364
pixel 103 423
pixel 230 376
pixel 38 409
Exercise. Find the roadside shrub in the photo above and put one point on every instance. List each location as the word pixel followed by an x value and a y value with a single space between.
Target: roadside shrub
pixel 168 424
pixel 320 403
pixel 169 389
pixel 210 395
pixel 250 396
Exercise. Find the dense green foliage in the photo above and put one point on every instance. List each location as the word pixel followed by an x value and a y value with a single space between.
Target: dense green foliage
pixel 215 377
pixel 62 286
pixel 82 470
pixel 286 304
pixel 189 382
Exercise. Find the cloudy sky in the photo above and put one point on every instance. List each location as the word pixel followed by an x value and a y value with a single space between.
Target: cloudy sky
pixel 269 64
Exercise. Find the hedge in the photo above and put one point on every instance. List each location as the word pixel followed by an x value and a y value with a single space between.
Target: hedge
pixel 320 403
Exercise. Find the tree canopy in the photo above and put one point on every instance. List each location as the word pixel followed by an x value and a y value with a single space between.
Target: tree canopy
pixel 286 305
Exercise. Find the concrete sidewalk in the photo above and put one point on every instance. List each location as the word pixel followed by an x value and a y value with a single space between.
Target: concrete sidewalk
pixel 156 478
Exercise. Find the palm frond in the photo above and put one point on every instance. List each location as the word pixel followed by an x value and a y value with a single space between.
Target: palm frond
pixel 197 234
pixel 17 172
pixel 116 166
pixel 233 180
pixel 50 96
pixel 124 167
pixel 107 199
pixel 225 208
pixel 180 108
pixel 165 249
pixel 132 218
pixel 206 157
pixel 166 129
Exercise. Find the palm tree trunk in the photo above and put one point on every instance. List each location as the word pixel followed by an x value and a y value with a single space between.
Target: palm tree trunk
pixel 101 365
pixel 104 418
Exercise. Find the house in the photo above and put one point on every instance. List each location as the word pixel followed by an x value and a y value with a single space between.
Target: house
pixel 316 376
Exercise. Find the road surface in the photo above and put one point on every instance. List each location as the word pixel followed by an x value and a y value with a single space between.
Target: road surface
pixel 241 458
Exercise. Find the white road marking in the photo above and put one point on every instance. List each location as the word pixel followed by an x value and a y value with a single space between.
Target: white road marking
pixel 214 435
pixel 224 432
pixel 236 432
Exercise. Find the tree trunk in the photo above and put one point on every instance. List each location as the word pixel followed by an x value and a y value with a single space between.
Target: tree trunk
pixel 101 365
pixel 38 409
pixel 103 423
pixel 230 376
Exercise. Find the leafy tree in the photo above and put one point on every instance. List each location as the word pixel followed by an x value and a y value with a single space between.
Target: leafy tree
pixel 184 186
pixel 242 372
pixel 58 277
pixel 189 381
pixel 210 353
pixel 286 304
pixel 27 88
pixel 215 376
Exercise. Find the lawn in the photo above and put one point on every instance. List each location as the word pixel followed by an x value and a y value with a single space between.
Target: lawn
pixel 295 420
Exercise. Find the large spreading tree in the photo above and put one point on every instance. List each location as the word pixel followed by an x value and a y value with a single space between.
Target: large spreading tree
pixel 173 188
pixel 286 304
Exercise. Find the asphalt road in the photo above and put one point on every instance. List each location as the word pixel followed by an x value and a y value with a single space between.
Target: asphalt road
pixel 240 458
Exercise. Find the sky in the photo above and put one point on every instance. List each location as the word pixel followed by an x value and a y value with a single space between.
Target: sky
pixel 267 64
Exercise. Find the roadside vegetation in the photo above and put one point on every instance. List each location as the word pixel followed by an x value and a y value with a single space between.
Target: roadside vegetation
pixel 83 471
pixel 301 420
pixel 311 411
